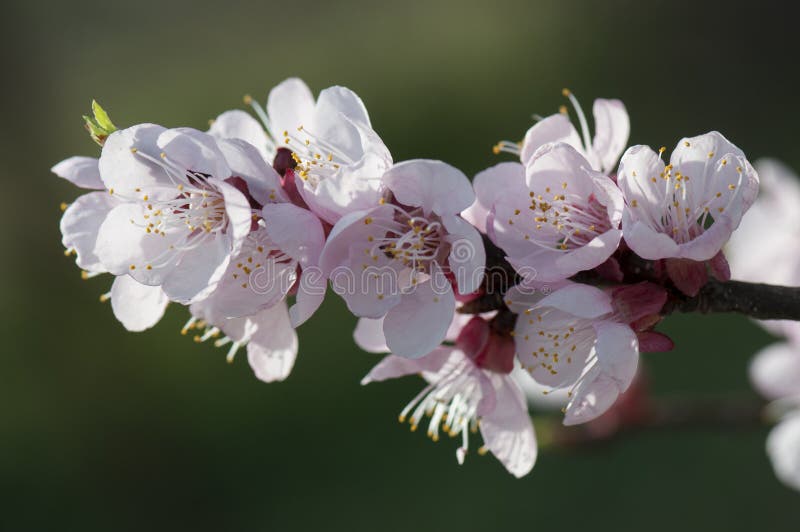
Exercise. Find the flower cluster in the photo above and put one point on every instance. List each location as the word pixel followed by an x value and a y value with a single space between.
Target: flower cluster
pixel 249 224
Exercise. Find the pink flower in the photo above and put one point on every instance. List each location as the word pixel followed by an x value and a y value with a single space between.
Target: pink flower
pixel 466 392
pixel 688 208
pixel 581 338
pixel 339 158
pixel 397 259
pixel 184 207
pixel 562 218
pixel 601 154
pixel 775 372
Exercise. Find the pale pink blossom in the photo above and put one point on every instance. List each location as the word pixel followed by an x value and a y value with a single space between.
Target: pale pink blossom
pixel 562 218
pixel 400 258
pixel 184 206
pixel 585 340
pixel 466 392
pixel 338 158
pixel 775 372
pixel 686 209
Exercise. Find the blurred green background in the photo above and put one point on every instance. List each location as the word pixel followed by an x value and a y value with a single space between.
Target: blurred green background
pixel 101 429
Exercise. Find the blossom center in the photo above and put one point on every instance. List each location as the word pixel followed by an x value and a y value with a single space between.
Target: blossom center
pixel 409 238
pixel 314 157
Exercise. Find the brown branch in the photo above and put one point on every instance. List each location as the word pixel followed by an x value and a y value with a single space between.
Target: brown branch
pixel 760 301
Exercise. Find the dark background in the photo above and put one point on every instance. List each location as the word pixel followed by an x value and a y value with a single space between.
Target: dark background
pixel 101 429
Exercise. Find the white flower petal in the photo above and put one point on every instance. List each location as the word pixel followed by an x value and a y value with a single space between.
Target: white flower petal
pixel 488 184
pixel 783 448
pixel 419 323
pixel 617 352
pixel 775 371
pixel 554 128
pixel 507 431
pixel 80 225
pixel 612 127
pixel 467 259
pixel 579 300
pixel 296 231
pixel 272 349
pixel 198 272
pixel 263 182
pixel 369 335
pixel 137 307
pixel 433 185
pixel 237 124
pixel 80 171
pixel 195 151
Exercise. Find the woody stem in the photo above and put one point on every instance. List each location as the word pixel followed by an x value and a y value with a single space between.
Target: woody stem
pixel 756 300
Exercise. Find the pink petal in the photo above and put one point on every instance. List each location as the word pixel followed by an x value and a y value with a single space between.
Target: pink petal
pixel 775 371
pixel 392 367
pixel 80 226
pixel 708 244
pixel 783 448
pixel 263 182
pixel 124 171
pixel 579 300
pixel 80 171
pixel 420 321
pixel 554 128
pixel 122 244
pixel 198 272
pixel 296 231
pixel 617 352
pixel 435 186
pixel 646 242
pixel 594 396
pixel 239 213
pixel 342 100
pixel 309 296
pixel 507 431
pixel 467 258
pixel 369 335
pixel 612 127
pixel 237 124
pixel 488 184
pixel 289 105
pixel 272 349
pixel 137 306
pixel 195 151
